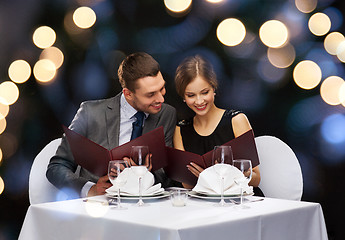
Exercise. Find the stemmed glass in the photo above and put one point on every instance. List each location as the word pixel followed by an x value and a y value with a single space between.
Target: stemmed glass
pixel 118 177
pixel 222 158
pixel 140 164
pixel 245 166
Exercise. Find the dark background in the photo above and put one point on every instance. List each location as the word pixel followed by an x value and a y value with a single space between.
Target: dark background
pixel 279 108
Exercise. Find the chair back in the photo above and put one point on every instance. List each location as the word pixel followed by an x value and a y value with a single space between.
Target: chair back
pixel 40 189
pixel 280 171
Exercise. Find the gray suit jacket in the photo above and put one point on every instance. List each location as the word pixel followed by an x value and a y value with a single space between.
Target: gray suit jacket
pixel 99 121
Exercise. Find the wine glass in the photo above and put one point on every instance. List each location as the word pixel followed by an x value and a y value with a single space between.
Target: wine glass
pixel 222 158
pixel 118 177
pixel 245 166
pixel 140 163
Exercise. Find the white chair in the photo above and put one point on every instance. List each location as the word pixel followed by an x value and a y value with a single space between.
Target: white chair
pixel 40 189
pixel 281 175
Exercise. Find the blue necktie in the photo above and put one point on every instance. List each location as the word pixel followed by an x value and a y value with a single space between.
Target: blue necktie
pixel 138 125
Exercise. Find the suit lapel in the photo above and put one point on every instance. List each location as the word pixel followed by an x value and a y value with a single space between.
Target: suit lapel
pixel 113 121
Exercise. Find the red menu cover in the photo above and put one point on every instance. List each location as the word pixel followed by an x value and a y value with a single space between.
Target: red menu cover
pixel 243 147
pixel 95 158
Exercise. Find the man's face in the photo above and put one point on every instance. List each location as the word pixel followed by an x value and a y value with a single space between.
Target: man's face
pixel 149 94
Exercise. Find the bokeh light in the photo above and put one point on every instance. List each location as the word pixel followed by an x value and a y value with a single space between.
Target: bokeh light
pixel 268 72
pixel 332 42
pixel 273 33
pixel 341 51
pixel 19 71
pixel 231 32
pixel 44 70
pixel 330 89
pixel 307 74
pixel 3 124
pixel 84 17
pixel 4 108
pixel 54 54
pixel 319 24
pixel 342 94
pixel 9 92
pixel 177 6
pixel 281 57
pixel 2 185
pixel 214 1
pixel 96 209
pixel 44 37
pixel 333 128
pixel 0 156
pixel 306 6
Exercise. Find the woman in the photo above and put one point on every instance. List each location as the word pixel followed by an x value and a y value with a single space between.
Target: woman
pixel 196 83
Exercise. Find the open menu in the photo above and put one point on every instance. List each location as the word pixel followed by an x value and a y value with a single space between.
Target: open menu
pixel 243 147
pixel 95 158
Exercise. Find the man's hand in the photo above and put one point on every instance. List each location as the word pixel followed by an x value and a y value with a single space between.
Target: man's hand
pixel 100 187
pixel 148 162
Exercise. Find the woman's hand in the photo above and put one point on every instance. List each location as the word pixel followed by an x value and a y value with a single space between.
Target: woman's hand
pixel 195 169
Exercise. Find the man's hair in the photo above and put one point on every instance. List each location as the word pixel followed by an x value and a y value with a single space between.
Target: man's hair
pixel 135 66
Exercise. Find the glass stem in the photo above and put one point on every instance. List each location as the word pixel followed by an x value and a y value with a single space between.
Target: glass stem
pixel 241 195
pixel 118 198
pixel 140 194
pixel 222 192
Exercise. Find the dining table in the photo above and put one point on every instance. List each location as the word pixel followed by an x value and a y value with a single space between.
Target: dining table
pixel 200 219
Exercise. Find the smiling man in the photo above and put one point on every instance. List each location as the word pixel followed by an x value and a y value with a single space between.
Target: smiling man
pixel 109 122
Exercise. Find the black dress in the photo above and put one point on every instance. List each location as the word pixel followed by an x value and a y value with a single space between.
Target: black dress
pixel 195 143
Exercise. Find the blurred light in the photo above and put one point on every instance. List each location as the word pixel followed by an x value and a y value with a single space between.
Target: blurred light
pixel 231 32
pixel 281 57
pixel 273 33
pixel 322 58
pixel 84 17
pixel 214 1
pixel 9 92
pixel 0 156
pixel 319 24
pixel 341 51
pixel 268 72
pixel 306 6
pixel 53 54
pixel 333 128
pixel 342 94
pixel 19 71
pixel 96 209
pixel 332 41
pixel 246 48
pixel 4 109
pixel 330 89
pixel 44 70
pixel 307 74
pixel 69 25
pixel 336 17
pixel 44 37
pixel 177 5
pixel 2 124
pixel 2 185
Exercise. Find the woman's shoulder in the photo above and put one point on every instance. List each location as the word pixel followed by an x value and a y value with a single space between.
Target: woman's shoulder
pixel 231 113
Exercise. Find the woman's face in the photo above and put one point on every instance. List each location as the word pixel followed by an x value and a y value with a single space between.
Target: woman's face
pixel 199 96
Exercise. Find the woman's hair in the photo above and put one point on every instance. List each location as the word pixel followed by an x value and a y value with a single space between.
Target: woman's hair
pixel 189 69
pixel 136 66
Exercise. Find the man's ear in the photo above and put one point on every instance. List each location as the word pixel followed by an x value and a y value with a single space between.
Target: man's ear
pixel 127 93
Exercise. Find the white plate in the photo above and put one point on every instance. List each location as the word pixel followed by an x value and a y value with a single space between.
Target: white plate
pixel 216 197
pixel 154 196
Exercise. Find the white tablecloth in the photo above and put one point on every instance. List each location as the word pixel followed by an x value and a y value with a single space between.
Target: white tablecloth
pixel 265 220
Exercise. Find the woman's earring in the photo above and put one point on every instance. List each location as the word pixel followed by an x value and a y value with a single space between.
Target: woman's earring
pixel 184 100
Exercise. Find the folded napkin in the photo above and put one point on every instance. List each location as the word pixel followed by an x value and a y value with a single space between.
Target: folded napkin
pixel 209 182
pixel 131 187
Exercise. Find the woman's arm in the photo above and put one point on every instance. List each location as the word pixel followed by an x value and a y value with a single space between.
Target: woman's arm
pixel 240 125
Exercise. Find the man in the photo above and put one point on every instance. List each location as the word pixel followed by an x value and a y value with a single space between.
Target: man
pixel 108 122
